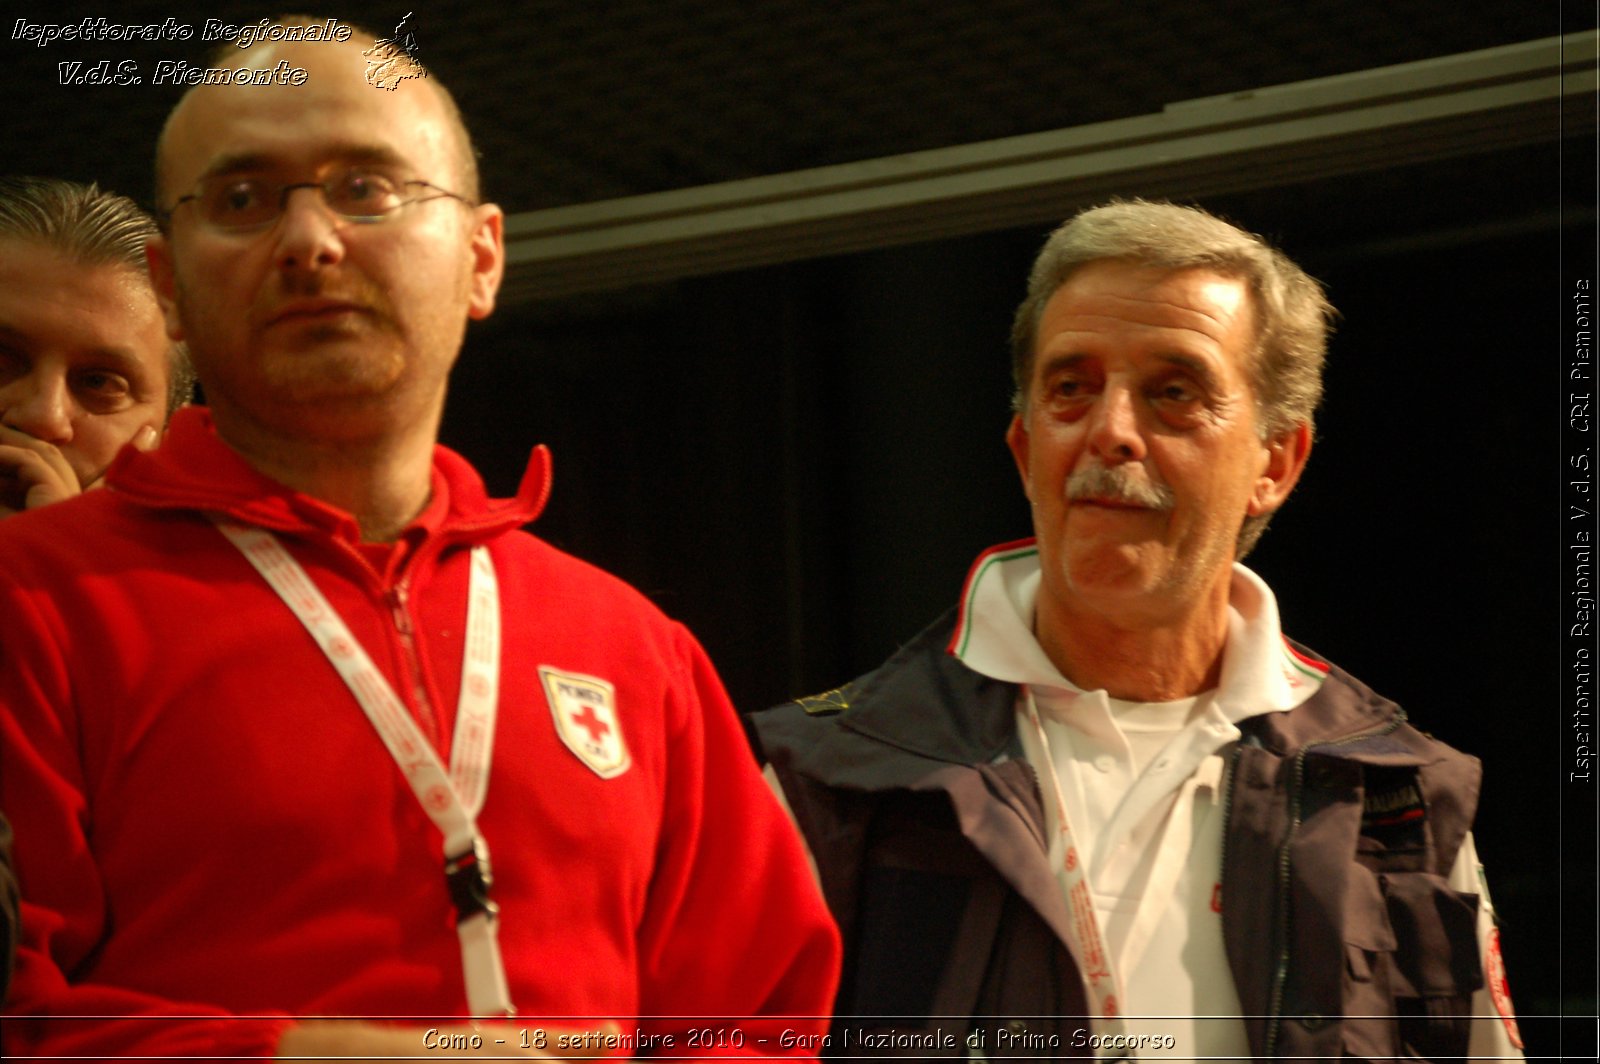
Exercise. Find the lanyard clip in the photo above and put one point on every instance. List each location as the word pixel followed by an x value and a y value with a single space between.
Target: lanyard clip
pixel 468 879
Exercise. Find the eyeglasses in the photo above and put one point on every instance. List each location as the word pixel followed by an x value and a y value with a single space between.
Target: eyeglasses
pixel 240 204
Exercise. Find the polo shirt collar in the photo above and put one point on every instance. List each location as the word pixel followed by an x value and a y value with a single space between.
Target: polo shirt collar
pixel 994 636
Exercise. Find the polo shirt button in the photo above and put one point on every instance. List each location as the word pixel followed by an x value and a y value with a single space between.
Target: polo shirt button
pixel 1162 764
pixel 1105 762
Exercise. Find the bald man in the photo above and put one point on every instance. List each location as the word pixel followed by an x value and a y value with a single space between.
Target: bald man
pixel 263 726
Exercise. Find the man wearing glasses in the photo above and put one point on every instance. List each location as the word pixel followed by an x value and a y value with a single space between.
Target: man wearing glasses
pixel 305 675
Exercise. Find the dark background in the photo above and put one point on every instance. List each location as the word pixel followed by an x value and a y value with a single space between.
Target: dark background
pixel 800 461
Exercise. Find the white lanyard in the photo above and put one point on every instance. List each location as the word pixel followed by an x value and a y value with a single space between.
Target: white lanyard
pixel 452 800
pixel 1085 938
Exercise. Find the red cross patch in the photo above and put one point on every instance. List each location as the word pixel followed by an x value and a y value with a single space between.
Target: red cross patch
pixel 584 710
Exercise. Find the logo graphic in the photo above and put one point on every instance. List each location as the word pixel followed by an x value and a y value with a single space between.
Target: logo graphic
pixel 394 59
pixel 584 708
pixel 1494 976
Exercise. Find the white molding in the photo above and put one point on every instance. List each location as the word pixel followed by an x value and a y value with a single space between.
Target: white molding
pixel 1373 119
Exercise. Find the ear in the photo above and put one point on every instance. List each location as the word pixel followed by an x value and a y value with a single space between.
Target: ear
pixel 158 254
pixel 1286 456
pixel 1017 440
pixel 488 249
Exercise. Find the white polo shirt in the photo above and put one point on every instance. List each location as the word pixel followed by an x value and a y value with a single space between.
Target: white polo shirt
pixel 1142 784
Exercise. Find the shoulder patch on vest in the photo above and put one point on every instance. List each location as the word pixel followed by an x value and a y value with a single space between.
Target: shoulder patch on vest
pixel 1393 811
pixel 824 705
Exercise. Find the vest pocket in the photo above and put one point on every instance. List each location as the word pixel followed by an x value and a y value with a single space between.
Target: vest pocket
pixel 1436 964
pixel 1371 1029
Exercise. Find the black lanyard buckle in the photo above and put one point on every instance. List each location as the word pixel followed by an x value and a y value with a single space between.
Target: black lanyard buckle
pixel 468 878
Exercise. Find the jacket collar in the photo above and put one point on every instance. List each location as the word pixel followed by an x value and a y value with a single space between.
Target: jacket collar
pixel 994 635
pixel 194 469
pixel 921 709
pixel 1346 712
pixel 924 708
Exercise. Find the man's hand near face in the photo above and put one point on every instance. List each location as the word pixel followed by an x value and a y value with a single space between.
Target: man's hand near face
pixel 34 473
pixel 85 362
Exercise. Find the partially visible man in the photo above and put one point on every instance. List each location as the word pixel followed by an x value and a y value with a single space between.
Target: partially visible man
pixel 85 362
pixel 1105 806
pixel 85 365
pixel 268 701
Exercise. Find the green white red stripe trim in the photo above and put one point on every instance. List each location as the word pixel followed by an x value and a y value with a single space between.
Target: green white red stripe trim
pixel 1005 552
pixel 1314 669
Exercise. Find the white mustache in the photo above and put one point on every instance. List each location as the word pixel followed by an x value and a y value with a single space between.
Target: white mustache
pixel 1119 484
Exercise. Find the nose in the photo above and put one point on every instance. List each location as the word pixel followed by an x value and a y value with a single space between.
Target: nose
pixel 1115 435
pixel 40 405
pixel 308 236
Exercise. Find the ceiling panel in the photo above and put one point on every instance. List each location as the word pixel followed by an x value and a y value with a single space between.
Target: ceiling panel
pixel 573 102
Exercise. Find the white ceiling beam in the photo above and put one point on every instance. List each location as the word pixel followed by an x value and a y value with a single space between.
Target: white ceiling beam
pixel 1282 134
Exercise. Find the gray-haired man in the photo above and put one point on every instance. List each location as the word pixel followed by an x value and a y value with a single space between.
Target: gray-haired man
pixel 1105 807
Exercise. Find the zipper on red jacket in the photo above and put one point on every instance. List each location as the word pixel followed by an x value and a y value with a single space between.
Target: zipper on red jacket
pixel 399 607
pixel 1281 974
pixel 397 600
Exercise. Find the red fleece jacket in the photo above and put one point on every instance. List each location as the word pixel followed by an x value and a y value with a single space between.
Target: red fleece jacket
pixel 207 826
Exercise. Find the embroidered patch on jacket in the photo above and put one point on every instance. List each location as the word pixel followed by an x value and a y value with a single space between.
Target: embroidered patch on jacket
pixel 1494 974
pixel 585 712
pixel 1393 812
pixel 827 703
